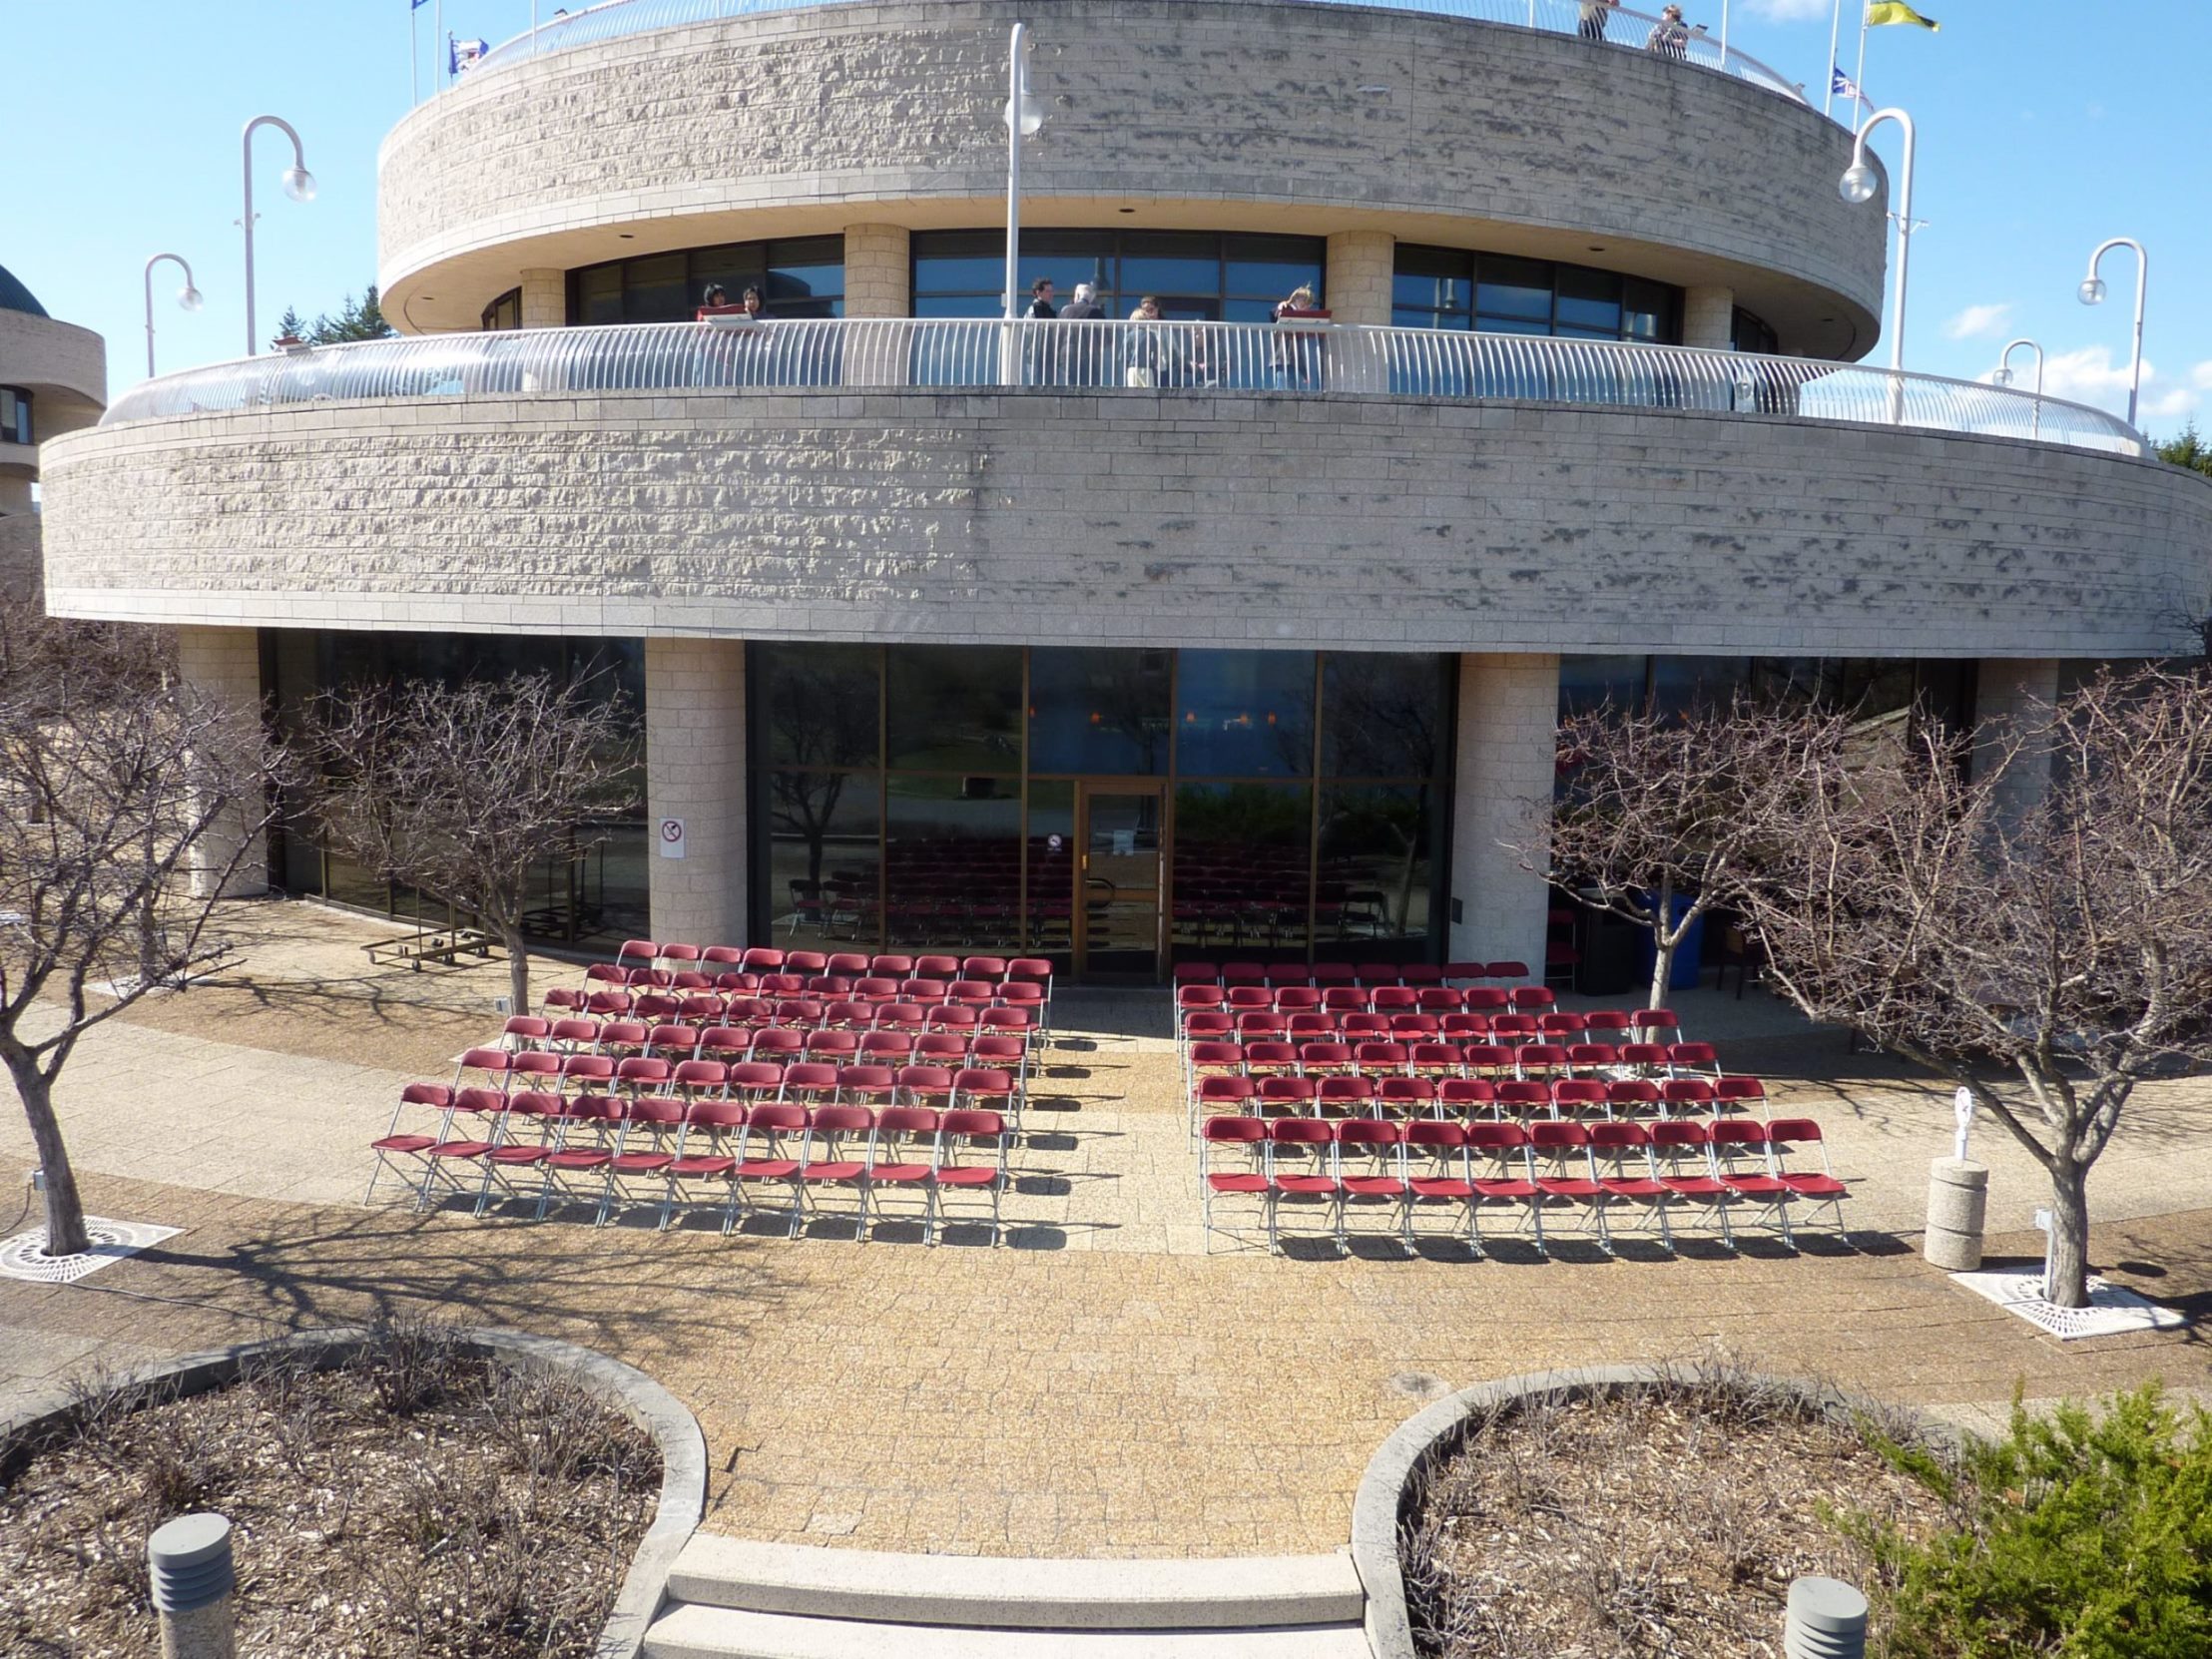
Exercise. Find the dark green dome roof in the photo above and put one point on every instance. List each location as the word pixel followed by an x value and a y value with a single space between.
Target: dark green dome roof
pixel 14 296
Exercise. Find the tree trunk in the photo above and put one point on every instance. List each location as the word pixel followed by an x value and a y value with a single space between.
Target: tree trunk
pixel 2067 1283
pixel 64 1211
pixel 1662 944
pixel 518 967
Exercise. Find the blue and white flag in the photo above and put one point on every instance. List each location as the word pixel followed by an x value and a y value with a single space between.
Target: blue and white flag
pixel 1842 85
pixel 414 5
pixel 461 55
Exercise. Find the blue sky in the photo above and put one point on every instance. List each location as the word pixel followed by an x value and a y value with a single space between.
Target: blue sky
pixel 2045 128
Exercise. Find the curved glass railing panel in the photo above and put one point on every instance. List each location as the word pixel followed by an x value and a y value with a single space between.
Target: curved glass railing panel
pixel 1216 358
pixel 1631 30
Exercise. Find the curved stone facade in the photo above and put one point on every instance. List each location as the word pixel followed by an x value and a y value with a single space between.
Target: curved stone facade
pixel 63 366
pixel 1130 518
pixel 1222 114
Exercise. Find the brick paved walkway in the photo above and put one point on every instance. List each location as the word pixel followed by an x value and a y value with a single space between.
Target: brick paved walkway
pixel 1107 1387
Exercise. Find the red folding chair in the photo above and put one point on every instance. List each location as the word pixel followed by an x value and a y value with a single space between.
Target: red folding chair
pixel 1565 1177
pixel 1485 999
pixel 434 1099
pixel 1692 1060
pixel 706 1156
pixel 927 1086
pixel 1301 1167
pixel 525 1031
pixel 1287 1097
pixel 1436 1173
pixel 1744 1160
pixel 769 1156
pixel 962 1135
pixel 992 1052
pixel 641 1074
pixel 573 1036
pixel 1371 1168
pixel 1468 1098
pixel 762 959
pixel 903 1157
pixel 1498 1171
pixel 834 1154
pixel 587 1074
pixel 1592 1059
pixel 1540 1062
pixel 1686 1097
pixel 1655 1025
pixel 583 1131
pixel 1682 1156
pixel 673 1042
pixel 645 1146
pixel 1221 1139
pixel 832 1046
pixel 1741 1092
pixel 1620 1154
pixel 1811 1186
pixel 1579 1098
pixel 779 1045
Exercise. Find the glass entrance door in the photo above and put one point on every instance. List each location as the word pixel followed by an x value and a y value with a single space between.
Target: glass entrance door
pixel 1120 876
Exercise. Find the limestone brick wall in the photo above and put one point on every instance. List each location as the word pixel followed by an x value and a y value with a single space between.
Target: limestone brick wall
pixel 695 771
pixel 544 298
pixel 1128 517
pixel 814 118
pixel 1709 316
pixel 63 367
pixel 1360 276
pixel 225 664
pixel 1501 797
pixel 19 555
pixel 879 270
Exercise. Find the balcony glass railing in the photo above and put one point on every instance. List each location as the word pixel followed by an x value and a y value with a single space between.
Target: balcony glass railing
pixel 1162 358
pixel 1628 29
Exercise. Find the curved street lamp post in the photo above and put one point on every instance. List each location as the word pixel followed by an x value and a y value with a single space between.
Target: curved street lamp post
pixel 1858 186
pixel 2003 378
pixel 1023 117
pixel 2092 292
pixel 298 184
pixel 188 297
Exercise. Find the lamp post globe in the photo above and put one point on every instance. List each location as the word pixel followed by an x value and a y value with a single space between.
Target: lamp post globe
pixel 2092 291
pixel 1857 184
pixel 298 184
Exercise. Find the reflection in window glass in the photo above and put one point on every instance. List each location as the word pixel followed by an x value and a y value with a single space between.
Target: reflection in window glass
pixel 1376 877
pixel 1454 288
pixel 952 862
pixel 824 858
pixel 1587 684
pixel 1197 276
pixel 817 705
pixel 1245 714
pixel 1382 715
pixel 796 275
pixel 1100 712
pixel 1243 868
pixel 1052 866
pixel 956 708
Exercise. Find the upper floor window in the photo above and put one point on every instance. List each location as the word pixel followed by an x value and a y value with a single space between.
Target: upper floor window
pixel 1197 276
pixel 504 313
pixel 1497 293
pixel 1750 332
pixel 15 417
pixel 797 276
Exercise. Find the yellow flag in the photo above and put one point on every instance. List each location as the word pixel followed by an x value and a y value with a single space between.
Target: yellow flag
pixel 1892 11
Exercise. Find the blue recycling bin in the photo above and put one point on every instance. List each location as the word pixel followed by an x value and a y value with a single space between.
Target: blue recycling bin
pixel 1689 955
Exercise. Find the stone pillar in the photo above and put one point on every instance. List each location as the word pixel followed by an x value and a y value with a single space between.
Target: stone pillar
pixel 1501 793
pixel 1709 318
pixel 1958 1207
pixel 2008 688
pixel 695 771
pixel 225 664
pixel 545 298
pixel 878 282
pixel 1356 290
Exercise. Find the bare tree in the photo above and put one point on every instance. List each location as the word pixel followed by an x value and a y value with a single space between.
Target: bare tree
pixel 128 802
pixel 1655 810
pixel 1949 915
pixel 466 791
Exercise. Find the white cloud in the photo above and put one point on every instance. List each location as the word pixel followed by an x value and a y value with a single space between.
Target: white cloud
pixel 2093 375
pixel 1791 11
pixel 2201 376
pixel 2169 404
pixel 1976 321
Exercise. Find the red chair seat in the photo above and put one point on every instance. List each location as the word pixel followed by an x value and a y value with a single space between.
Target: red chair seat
pixel 840 1170
pixel 515 1156
pixel 461 1149
pixel 1504 1189
pixel 403 1143
pixel 1755 1186
pixel 685 1168
pixel 1238 1183
pixel 1567 1186
pixel 1815 1184
pixel 580 1159
pixel 1441 1187
pixel 1373 1186
pixel 643 1163
pixel 767 1169
pixel 1693 1186
pixel 967 1175
pixel 1631 1186
pixel 1307 1185
pixel 900 1172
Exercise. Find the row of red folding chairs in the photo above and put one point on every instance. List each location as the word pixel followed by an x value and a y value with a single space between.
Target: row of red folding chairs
pixel 1326 975
pixel 1504 1030
pixel 1587 1170
pixel 619 1039
pixel 1346 1000
pixel 610 1152
pixel 645 955
pixel 1471 1098
pixel 907 1018
pixel 1388 1057
pixel 872 993
pixel 995 1067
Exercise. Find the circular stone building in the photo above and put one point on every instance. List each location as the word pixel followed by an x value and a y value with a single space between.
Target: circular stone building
pixel 1115 640
pixel 53 380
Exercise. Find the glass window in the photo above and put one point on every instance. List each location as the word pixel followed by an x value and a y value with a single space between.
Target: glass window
pixel 952 862
pixel 798 277
pixel 1242 868
pixel 1516 289
pixel 596 296
pixel 1648 312
pixel 1453 289
pixel 824 858
pixel 1589 303
pixel 1750 332
pixel 1245 714
pixel 1052 869
pixel 504 313
pixel 1100 712
pixel 1587 684
pixel 1383 714
pixel 1375 883
pixel 15 415
pixel 817 705
pixel 1197 274
pixel 956 708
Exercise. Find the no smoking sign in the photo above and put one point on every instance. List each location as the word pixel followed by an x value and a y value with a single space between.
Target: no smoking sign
pixel 672 837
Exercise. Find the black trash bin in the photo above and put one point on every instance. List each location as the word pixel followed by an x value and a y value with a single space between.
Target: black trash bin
pixel 1611 947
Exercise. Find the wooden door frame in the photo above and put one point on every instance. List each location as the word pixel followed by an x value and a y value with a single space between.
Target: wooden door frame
pixel 1079 914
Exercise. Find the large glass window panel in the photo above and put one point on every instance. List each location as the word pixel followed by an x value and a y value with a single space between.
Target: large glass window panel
pixel 1243 868
pixel 657 290
pixel 817 705
pixel 1376 887
pixel 1383 714
pixel 952 862
pixel 1245 714
pixel 1052 864
pixel 598 296
pixel 1589 302
pixel 1436 287
pixel 1587 684
pixel 954 708
pixel 1518 289
pixel 1098 711
pixel 824 858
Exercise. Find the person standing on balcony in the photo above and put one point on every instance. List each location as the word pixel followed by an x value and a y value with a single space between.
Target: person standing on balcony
pixel 1594 18
pixel 753 302
pixel 1295 355
pixel 1044 354
pixel 1040 301
pixel 1670 36
pixel 1143 367
pixel 1083 345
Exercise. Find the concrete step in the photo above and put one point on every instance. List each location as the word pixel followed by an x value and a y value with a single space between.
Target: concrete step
pixel 982 1592
pixel 692 1631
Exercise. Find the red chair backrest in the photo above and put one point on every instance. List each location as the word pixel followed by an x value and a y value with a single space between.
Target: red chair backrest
pixel 840 1120
pixel 1680 1132
pixel 701 1074
pixel 1226 1094
pixel 848 963
pixel 1467 1091
pixel 1299 1132
pixel 638 1069
pixel 1341 1091
pixel 1497 1137
pixel 1734 1132
pixel 487 1059
pixel 1524 1094
pixel 1369 1132
pixel 971 1123
pixel 1579 1094
pixel 1002 1053
pixel 906 1120
pixel 981 1080
pixel 810 1077
pixel 921 989
pixel 1287 1091
pixel 1436 1133
pixel 715 1114
pixel 1784 1131
pixel 1555 1135
pixel 779 1039
pixel 1234 1130
pixel 1371 1055
pixel 588 1068
pixel 779 1115
pixel 940 1045
pixel 891 967
pixel 1686 1091
pixel 1417 1091
pixel 1619 1136
pixel 1633 1091
pixel 1505 970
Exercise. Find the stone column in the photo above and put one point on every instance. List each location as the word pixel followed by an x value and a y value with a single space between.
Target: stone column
pixel 225 664
pixel 2008 688
pixel 695 771
pixel 878 282
pixel 1709 317
pixel 1501 793
pixel 1356 290
pixel 545 298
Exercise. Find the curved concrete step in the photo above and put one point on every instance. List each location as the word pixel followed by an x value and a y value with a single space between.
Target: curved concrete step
pixel 690 1631
pixel 984 1592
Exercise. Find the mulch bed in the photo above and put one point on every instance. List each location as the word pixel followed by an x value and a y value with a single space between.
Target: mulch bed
pixel 417 1501
pixel 1646 1525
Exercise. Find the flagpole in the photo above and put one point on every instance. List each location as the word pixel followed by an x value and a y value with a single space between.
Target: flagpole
pixel 1835 38
pixel 414 55
pixel 1724 34
pixel 437 32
